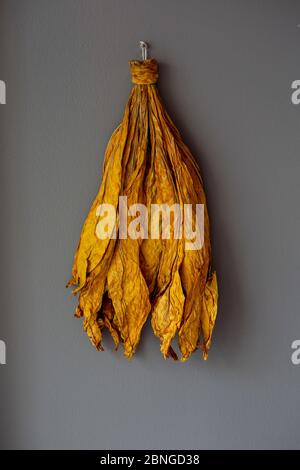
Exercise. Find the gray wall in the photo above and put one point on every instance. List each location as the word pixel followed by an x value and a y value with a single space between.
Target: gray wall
pixel 225 76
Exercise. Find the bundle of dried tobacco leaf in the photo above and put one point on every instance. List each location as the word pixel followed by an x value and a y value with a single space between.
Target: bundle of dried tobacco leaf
pixel 121 280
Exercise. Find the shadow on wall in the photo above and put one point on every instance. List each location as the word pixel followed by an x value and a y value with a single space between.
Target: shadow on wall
pixel 229 324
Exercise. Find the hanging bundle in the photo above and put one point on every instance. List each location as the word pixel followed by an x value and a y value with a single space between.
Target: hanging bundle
pixel 122 279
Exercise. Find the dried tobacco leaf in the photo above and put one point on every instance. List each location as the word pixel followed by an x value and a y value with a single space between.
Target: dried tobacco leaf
pixel 121 281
